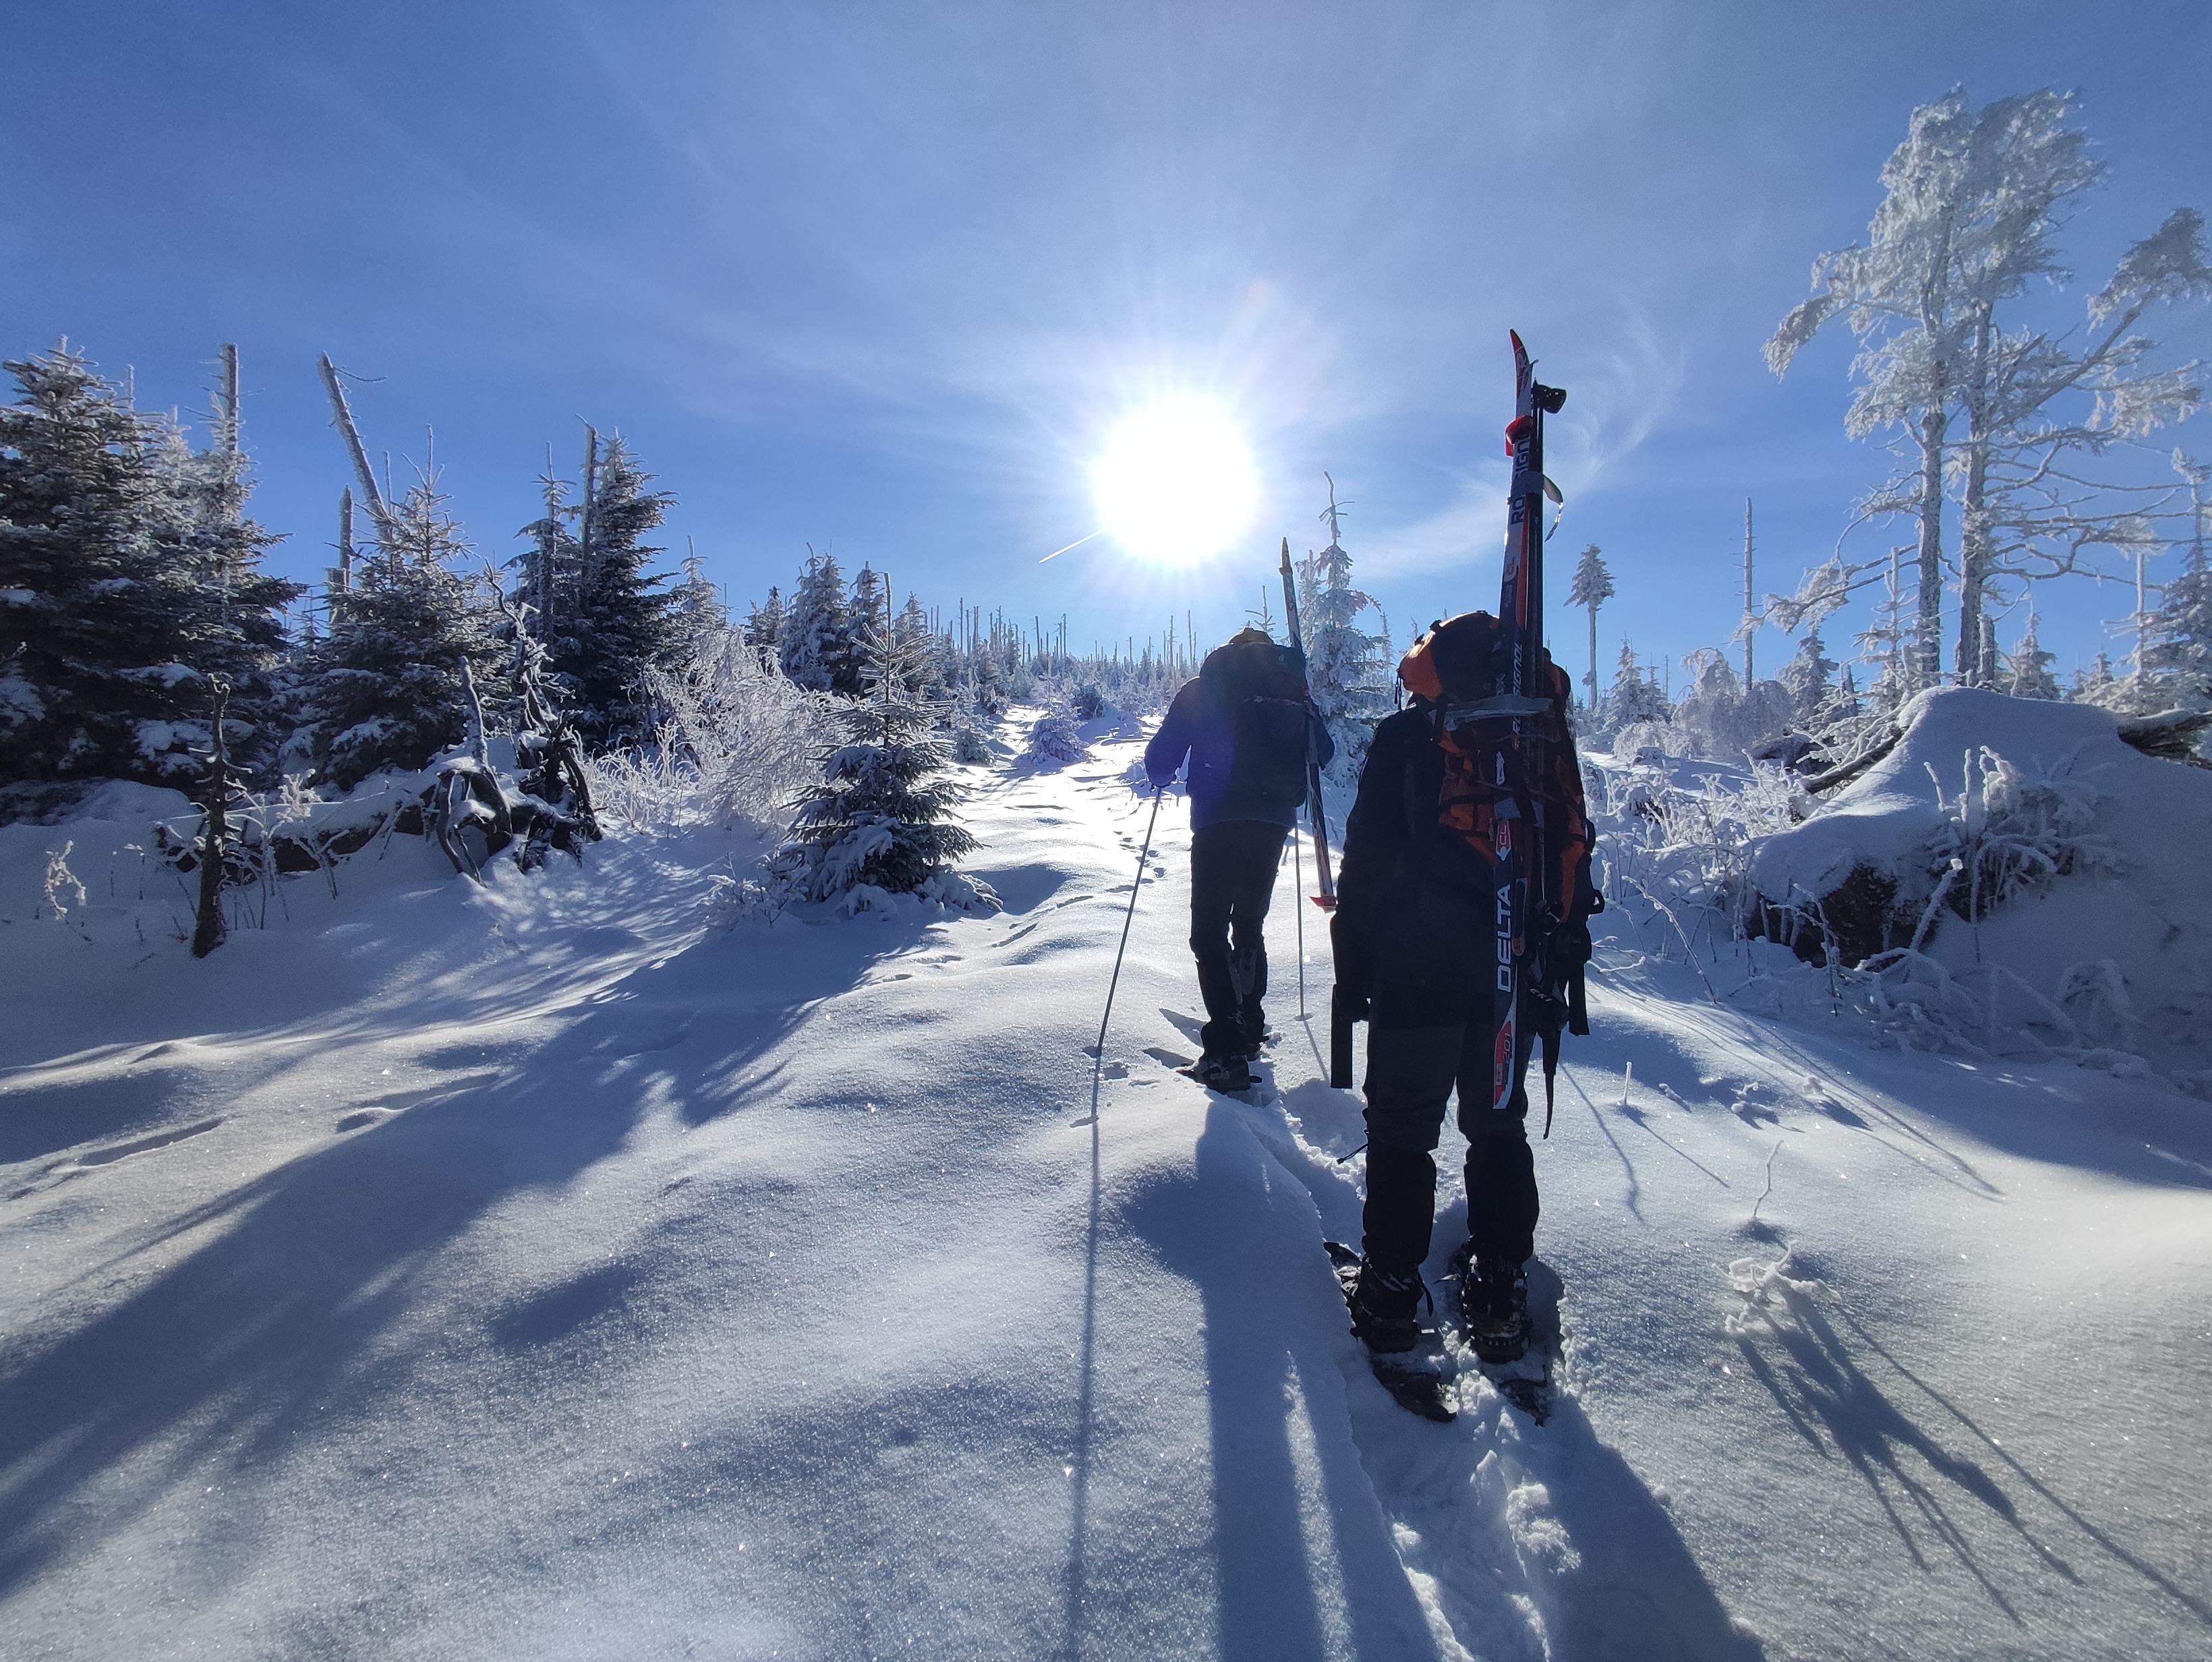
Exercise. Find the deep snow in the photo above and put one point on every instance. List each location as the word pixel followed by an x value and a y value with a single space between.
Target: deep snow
pixel 530 1271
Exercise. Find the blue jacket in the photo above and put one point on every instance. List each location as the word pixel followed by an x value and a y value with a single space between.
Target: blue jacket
pixel 1200 724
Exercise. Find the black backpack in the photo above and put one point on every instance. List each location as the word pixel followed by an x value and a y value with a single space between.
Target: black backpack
pixel 1261 688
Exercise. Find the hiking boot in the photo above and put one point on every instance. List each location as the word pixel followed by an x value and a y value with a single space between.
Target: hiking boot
pixel 1384 1309
pixel 1224 1072
pixel 1493 1307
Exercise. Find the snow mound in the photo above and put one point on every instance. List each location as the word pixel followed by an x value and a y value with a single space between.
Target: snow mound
pixel 2019 874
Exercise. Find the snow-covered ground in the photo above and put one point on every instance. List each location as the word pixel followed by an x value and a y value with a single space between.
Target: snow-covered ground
pixel 527 1271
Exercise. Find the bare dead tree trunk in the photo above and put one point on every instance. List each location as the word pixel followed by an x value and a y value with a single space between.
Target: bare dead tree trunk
pixel 346 541
pixel 208 931
pixel 1593 674
pixel 342 419
pixel 1929 637
pixel 1747 624
pixel 227 431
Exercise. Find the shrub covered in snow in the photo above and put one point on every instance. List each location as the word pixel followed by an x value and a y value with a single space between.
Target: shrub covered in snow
pixel 1054 739
pixel 737 744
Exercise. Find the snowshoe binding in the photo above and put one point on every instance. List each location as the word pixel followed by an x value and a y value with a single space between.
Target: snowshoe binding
pixel 1493 1307
pixel 1227 1072
pixel 1494 1320
pixel 1408 1360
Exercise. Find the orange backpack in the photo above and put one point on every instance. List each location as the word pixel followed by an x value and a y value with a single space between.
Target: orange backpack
pixel 1455 667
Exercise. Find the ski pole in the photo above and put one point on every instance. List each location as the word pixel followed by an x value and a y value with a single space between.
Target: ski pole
pixel 1297 893
pixel 1128 917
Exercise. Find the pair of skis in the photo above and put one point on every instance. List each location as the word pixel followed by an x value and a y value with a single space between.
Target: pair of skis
pixel 1520 697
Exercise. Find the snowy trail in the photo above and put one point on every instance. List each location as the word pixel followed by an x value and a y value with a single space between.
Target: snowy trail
pixel 533 1272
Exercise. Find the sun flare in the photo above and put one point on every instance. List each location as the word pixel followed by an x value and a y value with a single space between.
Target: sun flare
pixel 1176 482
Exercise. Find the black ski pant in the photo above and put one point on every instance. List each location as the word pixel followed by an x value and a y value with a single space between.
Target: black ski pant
pixel 1233 876
pixel 1422 1041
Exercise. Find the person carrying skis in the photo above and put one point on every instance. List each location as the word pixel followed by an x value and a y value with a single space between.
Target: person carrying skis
pixel 1245 722
pixel 1416 941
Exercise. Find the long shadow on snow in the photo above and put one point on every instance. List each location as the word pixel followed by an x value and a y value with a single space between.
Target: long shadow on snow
pixel 2139 1133
pixel 1637 1593
pixel 263 1335
pixel 1232 1233
pixel 1821 1389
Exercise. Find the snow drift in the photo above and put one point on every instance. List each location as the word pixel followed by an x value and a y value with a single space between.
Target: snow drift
pixel 2013 869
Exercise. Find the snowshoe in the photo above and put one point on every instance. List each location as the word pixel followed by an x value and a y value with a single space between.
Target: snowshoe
pixel 1408 1360
pixel 1227 1074
pixel 1386 1309
pixel 1514 1347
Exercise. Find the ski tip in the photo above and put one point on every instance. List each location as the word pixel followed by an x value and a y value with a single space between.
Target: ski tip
pixel 1326 902
pixel 1519 351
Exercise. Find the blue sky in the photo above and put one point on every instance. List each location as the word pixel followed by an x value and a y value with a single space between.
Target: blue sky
pixel 882 277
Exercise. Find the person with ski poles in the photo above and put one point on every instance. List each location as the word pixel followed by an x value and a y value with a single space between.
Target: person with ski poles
pixel 1244 723
pixel 1416 942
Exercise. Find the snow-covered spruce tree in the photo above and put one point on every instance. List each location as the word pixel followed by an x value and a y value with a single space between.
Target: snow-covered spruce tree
pixel 764 628
pixel 546 572
pixel 1054 738
pixel 2031 676
pixel 697 617
pixel 880 823
pixel 816 644
pixel 385 690
pixel 1807 678
pixel 2178 647
pixel 128 573
pixel 1633 700
pixel 1345 669
pixel 1593 588
pixel 613 625
pixel 235 627
pixel 868 620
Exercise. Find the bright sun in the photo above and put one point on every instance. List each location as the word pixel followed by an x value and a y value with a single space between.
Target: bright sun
pixel 1176 482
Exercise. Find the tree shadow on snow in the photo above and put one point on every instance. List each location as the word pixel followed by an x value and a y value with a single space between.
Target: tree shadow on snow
pixel 1917 1482
pixel 280 1327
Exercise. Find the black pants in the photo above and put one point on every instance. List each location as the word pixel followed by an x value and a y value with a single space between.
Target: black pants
pixel 1232 877
pixel 1421 1042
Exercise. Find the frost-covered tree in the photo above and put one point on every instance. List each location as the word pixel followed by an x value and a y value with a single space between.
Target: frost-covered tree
pixel 815 643
pixel 1973 200
pixel 615 626
pixel 1347 669
pixel 2094 686
pixel 1633 698
pixel 129 573
pixel 385 689
pixel 867 619
pixel 1593 588
pixel 764 628
pixel 883 814
pixel 235 626
pixel 2177 635
pixel 2031 676
pixel 546 573
pixel 1807 678
pixel 1054 738
pixel 697 617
